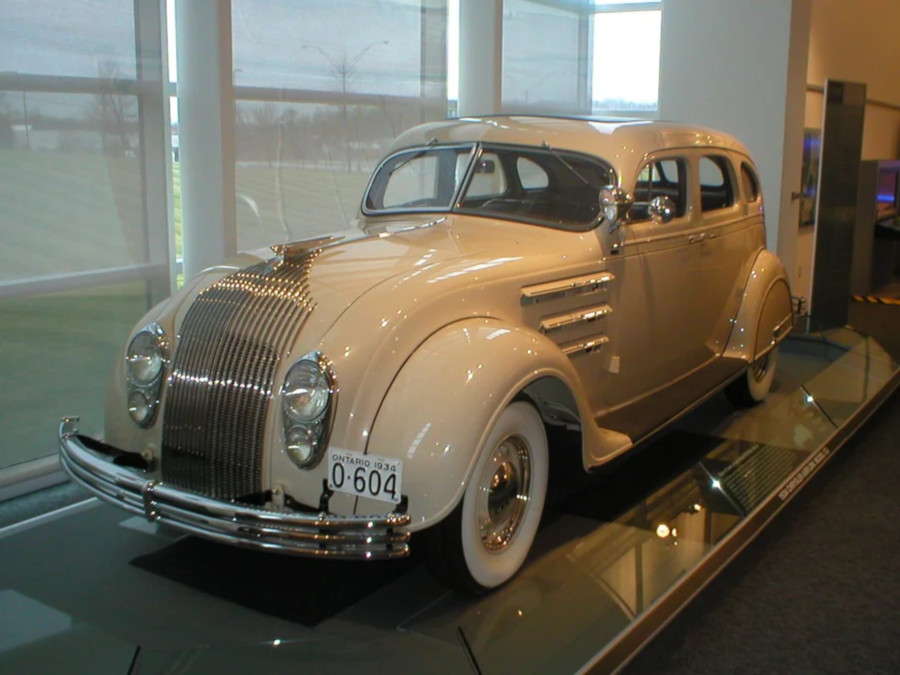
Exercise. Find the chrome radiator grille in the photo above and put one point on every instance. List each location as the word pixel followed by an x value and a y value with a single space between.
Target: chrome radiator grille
pixel 223 377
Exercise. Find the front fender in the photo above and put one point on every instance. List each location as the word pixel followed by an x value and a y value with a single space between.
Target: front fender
pixel 443 402
pixel 765 315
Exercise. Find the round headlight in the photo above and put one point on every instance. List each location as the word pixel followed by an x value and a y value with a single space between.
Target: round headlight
pixel 139 407
pixel 301 445
pixel 306 391
pixel 144 359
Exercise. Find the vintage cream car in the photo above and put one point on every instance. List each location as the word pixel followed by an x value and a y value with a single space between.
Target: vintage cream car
pixel 330 397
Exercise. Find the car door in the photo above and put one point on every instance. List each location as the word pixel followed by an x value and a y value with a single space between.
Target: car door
pixel 654 339
pixel 723 246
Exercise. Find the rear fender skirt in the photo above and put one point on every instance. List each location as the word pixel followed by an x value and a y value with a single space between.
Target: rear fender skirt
pixel 765 315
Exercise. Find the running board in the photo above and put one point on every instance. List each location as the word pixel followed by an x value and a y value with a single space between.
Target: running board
pixel 643 418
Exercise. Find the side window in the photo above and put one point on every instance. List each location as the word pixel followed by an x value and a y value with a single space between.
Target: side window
pixel 660 178
pixel 750 183
pixel 488 179
pixel 716 190
pixel 552 188
pixel 531 176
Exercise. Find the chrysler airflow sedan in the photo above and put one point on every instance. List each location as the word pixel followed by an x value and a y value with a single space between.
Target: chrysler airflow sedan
pixel 330 397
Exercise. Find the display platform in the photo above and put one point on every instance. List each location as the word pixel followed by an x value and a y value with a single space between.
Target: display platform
pixel 87 589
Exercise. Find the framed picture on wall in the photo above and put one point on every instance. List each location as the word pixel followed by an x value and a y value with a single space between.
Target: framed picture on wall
pixel 812 146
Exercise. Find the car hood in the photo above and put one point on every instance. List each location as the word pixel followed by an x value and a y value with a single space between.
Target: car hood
pixel 345 268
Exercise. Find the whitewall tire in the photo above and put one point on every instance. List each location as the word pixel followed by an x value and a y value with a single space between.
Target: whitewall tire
pixel 754 385
pixel 485 541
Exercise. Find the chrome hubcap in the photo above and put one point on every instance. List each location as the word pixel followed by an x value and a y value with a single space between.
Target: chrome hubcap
pixel 760 367
pixel 503 493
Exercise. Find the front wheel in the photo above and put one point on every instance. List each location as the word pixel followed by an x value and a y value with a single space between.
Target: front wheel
pixel 483 543
pixel 753 386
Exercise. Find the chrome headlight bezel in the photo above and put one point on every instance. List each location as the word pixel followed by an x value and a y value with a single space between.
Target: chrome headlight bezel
pixel 306 433
pixel 143 391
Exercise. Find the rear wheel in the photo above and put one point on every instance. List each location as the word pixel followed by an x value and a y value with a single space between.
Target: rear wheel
pixel 483 543
pixel 753 386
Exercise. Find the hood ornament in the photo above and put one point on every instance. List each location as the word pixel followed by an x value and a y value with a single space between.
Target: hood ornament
pixel 299 249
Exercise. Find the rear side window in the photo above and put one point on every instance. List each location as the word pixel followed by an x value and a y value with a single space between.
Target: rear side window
pixel 660 178
pixel 750 183
pixel 716 189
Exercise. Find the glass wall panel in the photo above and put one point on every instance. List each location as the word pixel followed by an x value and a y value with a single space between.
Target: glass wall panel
pixel 545 58
pixel 58 350
pixel 87 38
pixel 355 46
pixel 626 85
pixel 70 184
pixel 302 168
pixel 75 253
pixel 323 88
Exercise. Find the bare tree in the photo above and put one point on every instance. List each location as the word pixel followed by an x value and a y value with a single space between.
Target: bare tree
pixel 344 70
pixel 6 132
pixel 112 111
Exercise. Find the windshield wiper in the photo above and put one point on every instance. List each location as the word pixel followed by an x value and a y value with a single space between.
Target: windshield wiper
pixel 562 161
pixel 413 156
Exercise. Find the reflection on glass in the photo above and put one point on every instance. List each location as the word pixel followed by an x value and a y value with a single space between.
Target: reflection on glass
pixel 388 48
pixel 300 171
pixel 607 574
pixel 69 172
pixel 334 84
pixel 72 39
pixel 544 58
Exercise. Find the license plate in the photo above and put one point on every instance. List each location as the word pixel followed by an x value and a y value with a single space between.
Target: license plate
pixel 365 475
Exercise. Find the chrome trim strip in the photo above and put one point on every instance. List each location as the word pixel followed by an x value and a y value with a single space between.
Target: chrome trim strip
pixel 787 321
pixel 585 346
pixel 585 315
pixel 586 283
pixel 307 534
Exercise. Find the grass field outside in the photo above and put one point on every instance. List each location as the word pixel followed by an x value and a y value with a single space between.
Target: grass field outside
pixel 57 354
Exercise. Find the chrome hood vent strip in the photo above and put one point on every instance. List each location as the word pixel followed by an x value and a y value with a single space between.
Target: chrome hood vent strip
pixel 223 377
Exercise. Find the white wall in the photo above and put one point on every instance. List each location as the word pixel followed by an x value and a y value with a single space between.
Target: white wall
pixel 741 67
pixel 859 42
pixel 856 42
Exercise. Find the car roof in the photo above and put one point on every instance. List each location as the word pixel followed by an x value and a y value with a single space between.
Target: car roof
pixel 622 142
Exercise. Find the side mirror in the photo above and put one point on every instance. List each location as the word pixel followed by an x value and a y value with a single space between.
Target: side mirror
pixel 662 209
pixel 614 205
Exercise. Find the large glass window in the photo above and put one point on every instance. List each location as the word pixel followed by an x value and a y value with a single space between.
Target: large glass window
pixel 545 57
pixel 89 38
pixel 625 77
pixel 322 89
pixel 77 261
pixel 570 57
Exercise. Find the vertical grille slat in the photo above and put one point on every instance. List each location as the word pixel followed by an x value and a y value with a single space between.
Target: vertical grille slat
pixel 223 377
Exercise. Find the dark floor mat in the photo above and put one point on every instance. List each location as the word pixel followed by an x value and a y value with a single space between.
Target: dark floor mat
pixel 302 590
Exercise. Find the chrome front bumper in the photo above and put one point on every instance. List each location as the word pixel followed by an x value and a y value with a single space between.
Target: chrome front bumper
pixel 307 534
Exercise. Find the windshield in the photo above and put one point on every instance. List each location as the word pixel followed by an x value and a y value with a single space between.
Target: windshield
pixel 423 179
pixel 542 186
